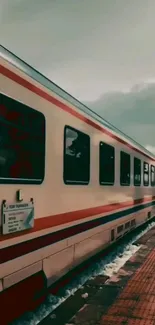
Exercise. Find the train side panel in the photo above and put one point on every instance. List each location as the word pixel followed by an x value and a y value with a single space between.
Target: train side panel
pixel 72 221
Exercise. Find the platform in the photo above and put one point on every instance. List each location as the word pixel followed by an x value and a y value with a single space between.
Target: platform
pixel 127 298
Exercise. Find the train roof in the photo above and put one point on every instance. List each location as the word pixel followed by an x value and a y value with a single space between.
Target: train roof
pixel 47 83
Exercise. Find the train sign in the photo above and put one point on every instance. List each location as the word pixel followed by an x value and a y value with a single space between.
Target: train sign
pixel 17 217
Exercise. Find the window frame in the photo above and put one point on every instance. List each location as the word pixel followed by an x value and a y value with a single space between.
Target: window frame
pixel 64 148
pixel 146 183
pixel 25 181
pixel 129 183
pixel 135 182
pixel 112 147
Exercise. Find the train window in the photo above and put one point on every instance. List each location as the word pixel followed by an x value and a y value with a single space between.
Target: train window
pixel 106 164
pixel 152 171
pixel 120 229
pixel 76 157
pixel 124 169
pixel 127 225
pixel 112 234
pixel 133 223
pixel 22 143
pixel 146 174
pixel 137 171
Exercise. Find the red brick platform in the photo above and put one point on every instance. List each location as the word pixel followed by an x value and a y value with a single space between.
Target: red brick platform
pixel 127 298
pixel 136 304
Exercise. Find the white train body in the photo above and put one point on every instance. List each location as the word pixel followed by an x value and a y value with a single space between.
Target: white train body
pixel 82 179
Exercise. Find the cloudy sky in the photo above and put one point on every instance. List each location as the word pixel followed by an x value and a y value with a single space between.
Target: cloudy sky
pixel 102 52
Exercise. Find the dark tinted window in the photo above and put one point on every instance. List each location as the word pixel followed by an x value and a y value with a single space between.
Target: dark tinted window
pixel 133 222
pixel 22 143
pixel 120 229
pixel 127 225
pixel 112 234
pixel 137 171
pixel 152 171
pixel 124 168
pixel 76 157
pixel 146 174
pixel 106 164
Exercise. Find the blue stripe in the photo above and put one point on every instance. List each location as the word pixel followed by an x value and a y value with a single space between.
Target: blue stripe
pixel 23 248
pixel 114 216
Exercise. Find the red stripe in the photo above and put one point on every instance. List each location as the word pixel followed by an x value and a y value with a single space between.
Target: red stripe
pixel 26 84
pixel 29 246
pixel 67 217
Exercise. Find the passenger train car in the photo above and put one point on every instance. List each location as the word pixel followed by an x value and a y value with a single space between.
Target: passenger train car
pixel 70 185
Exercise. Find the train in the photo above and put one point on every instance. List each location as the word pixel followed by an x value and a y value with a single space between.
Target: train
pixel 71 184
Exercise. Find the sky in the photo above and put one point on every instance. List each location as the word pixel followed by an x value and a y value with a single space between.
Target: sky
pixel 102 52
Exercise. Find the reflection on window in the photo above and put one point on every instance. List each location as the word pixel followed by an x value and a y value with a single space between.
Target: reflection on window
pixel 22 143
pixel 107 164
pixel 76 157
pixel 124 169
pixel 137 172
pixel 152 175
pixel 146 174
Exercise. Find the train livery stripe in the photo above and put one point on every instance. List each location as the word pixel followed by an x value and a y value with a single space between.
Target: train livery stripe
pixel 17 250
pixel 72 216
pixel 28 85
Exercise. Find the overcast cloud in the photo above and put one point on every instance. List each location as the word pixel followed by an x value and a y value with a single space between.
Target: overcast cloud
pixel 101 51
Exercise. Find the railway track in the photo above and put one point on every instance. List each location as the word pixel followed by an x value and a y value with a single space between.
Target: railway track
pixel 80 285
